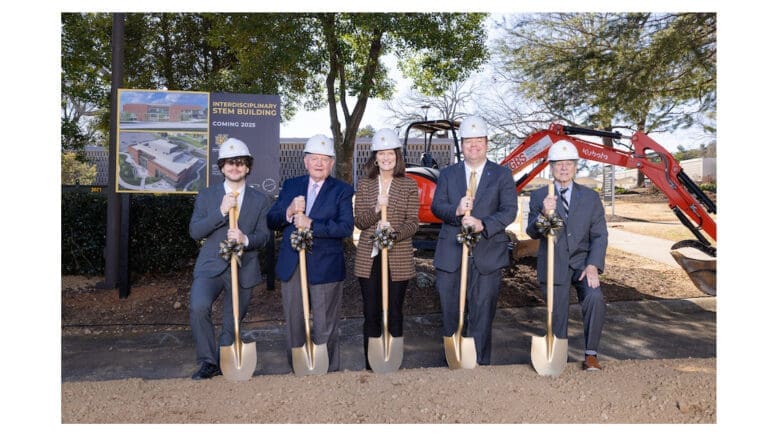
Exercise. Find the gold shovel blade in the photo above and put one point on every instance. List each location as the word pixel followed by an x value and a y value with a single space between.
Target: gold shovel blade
pixel 305 363
pixel 549 362
pixel 385 359
pixel 460 352
pixel 238 361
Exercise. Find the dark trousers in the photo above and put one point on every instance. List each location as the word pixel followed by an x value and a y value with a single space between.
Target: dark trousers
pixel 591 303
pixel 372 299
pixel 204 292
pixel 482 296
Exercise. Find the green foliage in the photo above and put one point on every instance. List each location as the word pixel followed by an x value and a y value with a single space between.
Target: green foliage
pixel 702 152
pixel 158 233
pixel 709 187
pixel 76 172
pixel 83 233
pixel 85 77
pixel 366 131
pixel 648 71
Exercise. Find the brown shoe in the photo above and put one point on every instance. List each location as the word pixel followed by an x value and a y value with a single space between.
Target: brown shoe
pixel 591 363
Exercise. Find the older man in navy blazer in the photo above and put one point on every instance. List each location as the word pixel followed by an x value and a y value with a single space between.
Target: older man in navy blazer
pixel 324 205
pixel 210 221
pixel 493 205
pixel 579 248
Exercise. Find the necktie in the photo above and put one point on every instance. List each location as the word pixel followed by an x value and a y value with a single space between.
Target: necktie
pixel 473 182
pixel 562 194
pixel 312 193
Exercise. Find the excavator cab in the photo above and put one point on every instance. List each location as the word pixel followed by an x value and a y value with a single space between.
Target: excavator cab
pixel 423 167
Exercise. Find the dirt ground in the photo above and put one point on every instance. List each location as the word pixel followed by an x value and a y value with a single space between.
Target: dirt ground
pixel 645 391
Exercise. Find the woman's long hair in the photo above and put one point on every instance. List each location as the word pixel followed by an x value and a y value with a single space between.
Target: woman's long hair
pixel 371 166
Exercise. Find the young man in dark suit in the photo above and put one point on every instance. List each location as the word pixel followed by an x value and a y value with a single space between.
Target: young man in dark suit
pixel 210 221
pixel 493 204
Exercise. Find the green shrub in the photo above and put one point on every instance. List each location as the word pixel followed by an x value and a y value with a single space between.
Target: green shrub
pixel 709 186
pixel 158 233
pixel 83 233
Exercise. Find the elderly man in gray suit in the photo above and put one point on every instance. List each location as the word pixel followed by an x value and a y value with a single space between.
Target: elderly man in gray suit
pixel 579 248
pixel 493 205
pixel 210 221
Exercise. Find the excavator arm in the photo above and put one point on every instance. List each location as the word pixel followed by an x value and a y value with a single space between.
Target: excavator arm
pixel 685 198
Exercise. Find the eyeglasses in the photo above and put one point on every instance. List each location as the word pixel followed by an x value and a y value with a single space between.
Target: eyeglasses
pixel 237 162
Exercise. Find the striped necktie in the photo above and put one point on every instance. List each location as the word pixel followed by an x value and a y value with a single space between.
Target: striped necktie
pixel 562 194
pixel 473 182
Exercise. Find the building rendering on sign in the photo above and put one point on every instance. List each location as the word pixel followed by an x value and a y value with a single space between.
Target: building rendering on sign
pixel 144 112
pixel 164 159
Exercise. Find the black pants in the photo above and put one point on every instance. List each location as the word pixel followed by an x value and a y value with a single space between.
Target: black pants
pixel 373 305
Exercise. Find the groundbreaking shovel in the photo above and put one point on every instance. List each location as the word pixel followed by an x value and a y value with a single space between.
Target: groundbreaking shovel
pixel 310 358
pixel 238 360
pixel 549 353
pixel 385 352
pixel 460 351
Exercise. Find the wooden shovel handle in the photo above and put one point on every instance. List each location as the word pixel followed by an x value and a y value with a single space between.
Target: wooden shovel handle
pixel 303 282
pixel 550 275
pixel 463 280
pixel 233 267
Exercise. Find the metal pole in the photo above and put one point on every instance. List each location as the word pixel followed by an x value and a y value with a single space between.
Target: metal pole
pixel 113 220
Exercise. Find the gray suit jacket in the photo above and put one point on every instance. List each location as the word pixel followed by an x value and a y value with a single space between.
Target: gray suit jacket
pixel 208 223
pixel 495 205
pixel 583 240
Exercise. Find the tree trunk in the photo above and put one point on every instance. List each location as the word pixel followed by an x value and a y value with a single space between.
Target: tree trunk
pixel 640 175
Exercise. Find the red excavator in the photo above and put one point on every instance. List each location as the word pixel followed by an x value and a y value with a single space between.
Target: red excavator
pixel 691 205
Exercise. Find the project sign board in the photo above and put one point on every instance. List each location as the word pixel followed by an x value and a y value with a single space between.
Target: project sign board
pixel 167 141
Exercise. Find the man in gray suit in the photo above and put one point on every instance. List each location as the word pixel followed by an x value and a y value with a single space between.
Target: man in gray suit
pixel 493 205
pixel 580 248
pixel 210 221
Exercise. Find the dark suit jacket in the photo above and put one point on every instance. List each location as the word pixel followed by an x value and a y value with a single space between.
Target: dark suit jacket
pixel 208 223
pixel 496 205
pixel 583 240
pixel 332 216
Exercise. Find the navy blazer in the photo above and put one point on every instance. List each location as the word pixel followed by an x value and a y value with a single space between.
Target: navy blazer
pixel 496 205
pixel 583 240
pixel 207 222
pixel 332 216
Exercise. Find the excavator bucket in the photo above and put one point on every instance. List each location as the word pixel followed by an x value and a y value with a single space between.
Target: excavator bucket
pixel 701 268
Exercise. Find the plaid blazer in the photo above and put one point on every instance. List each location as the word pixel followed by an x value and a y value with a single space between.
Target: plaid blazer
pixel 402 213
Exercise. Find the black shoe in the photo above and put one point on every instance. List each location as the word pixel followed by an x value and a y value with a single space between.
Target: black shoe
pixel 207 371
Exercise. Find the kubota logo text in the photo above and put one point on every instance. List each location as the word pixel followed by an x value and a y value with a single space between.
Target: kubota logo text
pixel 601 156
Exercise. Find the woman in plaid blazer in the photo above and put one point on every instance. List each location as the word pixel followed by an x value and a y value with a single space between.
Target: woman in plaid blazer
pixel 385 184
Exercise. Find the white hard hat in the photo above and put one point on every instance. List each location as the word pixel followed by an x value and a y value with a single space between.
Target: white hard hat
pixel 233 147
pixel 473 127
pixel 320 145
pixel 562 150
pixel 385 139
